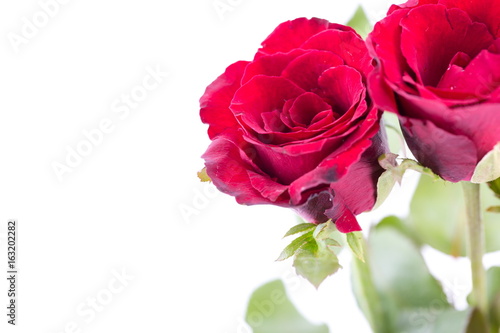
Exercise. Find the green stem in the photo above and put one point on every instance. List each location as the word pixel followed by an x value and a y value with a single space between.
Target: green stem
pixel 476 246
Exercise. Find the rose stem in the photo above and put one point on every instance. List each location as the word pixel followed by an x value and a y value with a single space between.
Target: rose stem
pixel 476 246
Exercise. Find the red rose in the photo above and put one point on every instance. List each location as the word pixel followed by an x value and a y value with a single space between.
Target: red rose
pixel 295 128
pixel 439 70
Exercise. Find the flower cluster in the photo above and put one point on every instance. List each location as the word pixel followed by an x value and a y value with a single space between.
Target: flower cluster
pixel 299 125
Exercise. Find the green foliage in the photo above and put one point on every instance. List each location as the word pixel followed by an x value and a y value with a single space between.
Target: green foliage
pixel 493 287
pixel 270 311
pixel 488 169
pixel 394 174
pixel 360 22
pixel 315 250
pixel 396 291
pixel 437 216
pixel 356 243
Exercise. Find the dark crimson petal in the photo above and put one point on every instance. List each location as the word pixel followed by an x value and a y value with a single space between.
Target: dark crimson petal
pixel 411 4
pixel 446 33
pixel 262 94
pixel 272 65
pixel 381 92
pixel 358 188
pixel 452 156
pixel 486 11
pixel 229 171
pixel 495 96
pixel 272 121
pixel 343 87
pixel 268 188
pixel 215 101
pixel 480 77
pixel 292 34
pixel 306 107
pixel 480 123
pixel 286 167
pixel 344 219
pixel 346 44
pixel 305 70
pixel 384 43
pixel 322 120
pixel 313 210
pixel 337 163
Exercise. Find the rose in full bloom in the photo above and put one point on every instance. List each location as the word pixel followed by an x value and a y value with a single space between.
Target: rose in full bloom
pixel 295 126
pixel 438 68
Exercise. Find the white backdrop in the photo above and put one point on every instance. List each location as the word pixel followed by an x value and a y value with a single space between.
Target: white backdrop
pixel 103 243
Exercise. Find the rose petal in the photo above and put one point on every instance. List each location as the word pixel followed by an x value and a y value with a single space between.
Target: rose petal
pixel 337 163
pixel 449 155
pixel 384 44
pixel 479 78
pixel 292 34
pixel 216 100
pixel 485 11
pixel 277 161
pixel 268 188
pixel 313 210
pixel 447 31
pixel 343 87
pixel 306 107
pixel 305 70
pixel 344 219
pixel 358 188
pixel 480 123
pixel 262 94
pixel 229 172
pixel 346 44
pixel 272 122
pixel 272 65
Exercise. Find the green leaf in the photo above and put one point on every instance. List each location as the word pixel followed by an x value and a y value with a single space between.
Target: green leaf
pixel 495 186
pixel 488 169
pixel 356 243
pixel 300 228
pixel 368 298
pixel 316 263
pixel 271 311
pixel 397 283
pixel 360 22
pixel 437 217
pixel 315 251
pixel 493 209
pixel 296 244
pixel 394 175
pixel 327 235
pixel 493 289
pixel 203 176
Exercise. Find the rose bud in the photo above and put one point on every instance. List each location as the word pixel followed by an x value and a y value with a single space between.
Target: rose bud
pixel 295 126
pixel 438 68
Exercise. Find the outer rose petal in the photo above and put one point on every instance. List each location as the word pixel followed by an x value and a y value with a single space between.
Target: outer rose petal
pixel 230 173
pixel 453 157
pixel 486 11
pixel 215 101
pixel 384 44
pixel 292 34
pixel 363 175
pixel 486 118
pixel 346 44
pixel 447 32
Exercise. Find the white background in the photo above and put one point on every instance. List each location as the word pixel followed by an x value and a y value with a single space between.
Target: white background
pixel 119 210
